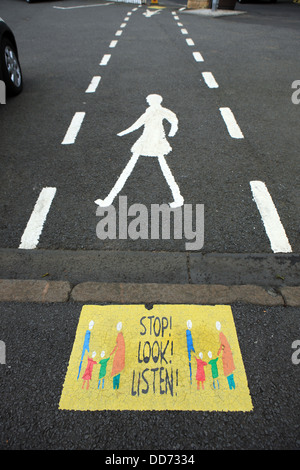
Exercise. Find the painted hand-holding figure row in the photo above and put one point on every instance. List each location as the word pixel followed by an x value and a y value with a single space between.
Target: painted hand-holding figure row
pixel 226 355
pixel 119 360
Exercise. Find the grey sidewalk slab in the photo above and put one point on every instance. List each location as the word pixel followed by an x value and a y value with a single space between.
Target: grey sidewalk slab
pixel 267 270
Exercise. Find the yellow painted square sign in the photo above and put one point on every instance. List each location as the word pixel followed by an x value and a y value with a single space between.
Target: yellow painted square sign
pixel 172 357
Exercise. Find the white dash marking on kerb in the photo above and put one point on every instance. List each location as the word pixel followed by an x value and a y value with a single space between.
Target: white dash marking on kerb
pixel 105 59
pixel 33 230
pixel 93 85
pixel 210 80
pixel 190 42
pixel 231 124
pixel 184 31
pixel 198 57
pixel 271 220
pixel 74 128
pixel 113 43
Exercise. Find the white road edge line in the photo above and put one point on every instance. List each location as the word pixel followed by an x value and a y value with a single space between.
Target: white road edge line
pixel 74 128
pixel 33 230
pixel 93 85
pixel 210 80
pixel 271 220
pixel 231 124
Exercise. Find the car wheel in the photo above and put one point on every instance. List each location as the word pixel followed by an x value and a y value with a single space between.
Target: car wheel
pixel 10 68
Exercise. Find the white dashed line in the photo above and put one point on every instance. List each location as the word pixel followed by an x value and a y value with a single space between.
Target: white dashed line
pixel 93 85
pixel 198 57
pixel 190 42
pixel 210 80
pixel 33 230
pixel 118 33
pixel 271 220
pixel 231 124
pixel 105 59
pixel 113 43
pixel 73 129
pixel 184 31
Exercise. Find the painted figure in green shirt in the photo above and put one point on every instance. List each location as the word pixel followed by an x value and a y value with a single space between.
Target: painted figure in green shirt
pixel 102 372
pixel 214 369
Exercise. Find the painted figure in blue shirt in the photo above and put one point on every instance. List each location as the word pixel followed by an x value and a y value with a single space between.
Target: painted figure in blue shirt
pixel 190 346
pixel 86 345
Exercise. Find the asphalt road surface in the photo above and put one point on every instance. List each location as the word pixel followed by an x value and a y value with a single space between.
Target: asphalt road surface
pixel 88 68
pixel 39 340
pixel 252 57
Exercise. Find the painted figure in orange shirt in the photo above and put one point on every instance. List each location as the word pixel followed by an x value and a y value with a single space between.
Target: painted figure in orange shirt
pixel 227 358
pixel 119 358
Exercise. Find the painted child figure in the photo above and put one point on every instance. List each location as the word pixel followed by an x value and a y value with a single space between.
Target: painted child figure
pixel 200 374
pixel 88 371
pixel 214 369
pixel 102 373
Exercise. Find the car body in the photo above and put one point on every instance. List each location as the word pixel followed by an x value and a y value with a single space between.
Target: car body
pixel 10 69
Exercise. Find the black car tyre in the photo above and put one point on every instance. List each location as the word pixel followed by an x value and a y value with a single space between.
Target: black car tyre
pixel 10 68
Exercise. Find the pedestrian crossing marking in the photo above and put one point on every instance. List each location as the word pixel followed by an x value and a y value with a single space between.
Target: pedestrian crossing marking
pixel 172 357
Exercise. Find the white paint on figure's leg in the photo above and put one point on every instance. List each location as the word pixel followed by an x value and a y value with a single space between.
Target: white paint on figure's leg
pixel 93 85
pixel 33 230
pixel 271 220
pixel 73 129
pixel 210 80
pixel 198 57
pixel 105 59
pixel 231 124
pixel 178 199
pixel 190 42
pixel 120 183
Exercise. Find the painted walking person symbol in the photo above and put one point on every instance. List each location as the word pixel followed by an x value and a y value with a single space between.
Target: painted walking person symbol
pixel 152 143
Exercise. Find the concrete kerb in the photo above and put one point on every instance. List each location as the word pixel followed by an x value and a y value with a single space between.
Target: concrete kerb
pixel 42 291
pixel 209 13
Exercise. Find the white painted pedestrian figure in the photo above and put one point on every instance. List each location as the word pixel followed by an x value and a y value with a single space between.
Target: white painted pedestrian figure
pixel 152 143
